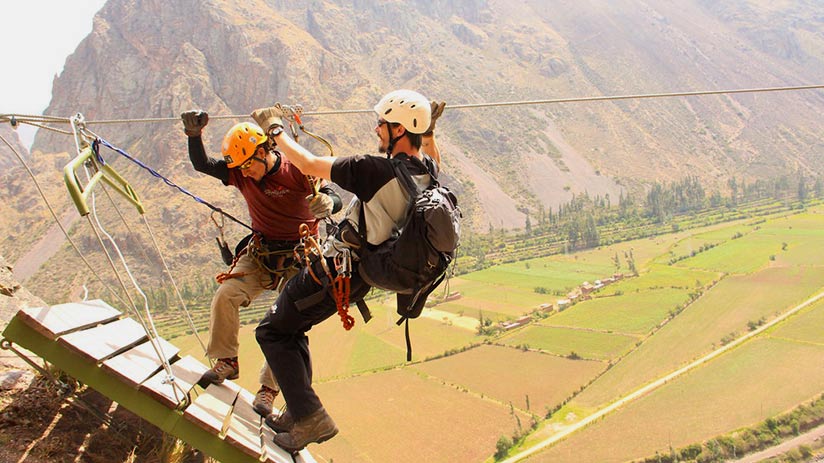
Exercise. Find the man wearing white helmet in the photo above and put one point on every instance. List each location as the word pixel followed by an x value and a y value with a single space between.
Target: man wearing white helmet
pixel 404 119
pixel 274 191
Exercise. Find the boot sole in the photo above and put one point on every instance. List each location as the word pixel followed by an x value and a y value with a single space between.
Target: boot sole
pixel 262 411
pixel 204 382
pixel 319 440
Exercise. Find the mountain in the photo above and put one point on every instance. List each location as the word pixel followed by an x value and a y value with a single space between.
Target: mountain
pixel 146 61
pixel 10 135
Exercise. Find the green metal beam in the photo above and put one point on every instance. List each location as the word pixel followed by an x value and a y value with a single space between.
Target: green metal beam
pixel 169 420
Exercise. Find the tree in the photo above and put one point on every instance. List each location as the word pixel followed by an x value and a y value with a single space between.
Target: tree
pixel 502 447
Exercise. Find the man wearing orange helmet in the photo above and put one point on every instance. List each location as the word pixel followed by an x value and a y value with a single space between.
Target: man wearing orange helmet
pixel 405 118
pixel 279 199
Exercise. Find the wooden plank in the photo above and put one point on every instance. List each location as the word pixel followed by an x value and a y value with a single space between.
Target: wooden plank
pixel 140 362
pixel 103 341
pixel 59 319
pixel 187 371
pixel 244 426
pixel 211 409
pixel 272 452
pixel 275 454
pixel 171 421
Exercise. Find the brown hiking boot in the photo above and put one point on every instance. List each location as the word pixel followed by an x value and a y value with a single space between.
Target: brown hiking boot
pixel 227 368
pixel 280 423
pixel 263 400
pixel 317 427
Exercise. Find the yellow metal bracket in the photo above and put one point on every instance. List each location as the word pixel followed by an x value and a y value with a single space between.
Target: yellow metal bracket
pixel 80 193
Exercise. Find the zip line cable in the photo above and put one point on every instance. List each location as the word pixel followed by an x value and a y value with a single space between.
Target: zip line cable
pixel 29 119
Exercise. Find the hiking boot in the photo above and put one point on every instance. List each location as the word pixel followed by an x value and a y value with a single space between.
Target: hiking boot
pixel 280 423
pixel 263 401
pixel 317 427
pixel 227 368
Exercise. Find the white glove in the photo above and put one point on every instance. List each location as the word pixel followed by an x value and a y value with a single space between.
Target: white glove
pixel 320 205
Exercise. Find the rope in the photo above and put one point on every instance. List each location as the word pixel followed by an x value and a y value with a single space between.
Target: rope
pixel 29 119
pixel 169 182
pixel 60 225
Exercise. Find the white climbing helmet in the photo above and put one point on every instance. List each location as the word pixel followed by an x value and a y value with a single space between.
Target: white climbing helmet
pixel 407 108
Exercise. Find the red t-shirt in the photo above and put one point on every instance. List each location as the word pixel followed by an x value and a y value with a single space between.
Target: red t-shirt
pixel 277 205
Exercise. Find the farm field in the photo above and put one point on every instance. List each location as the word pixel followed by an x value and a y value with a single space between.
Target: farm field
pixel 531 381
pixel 742 384
pixel 630 313
pixel 405 417
pixel 645 326
pixel 724 310
pixel 562 341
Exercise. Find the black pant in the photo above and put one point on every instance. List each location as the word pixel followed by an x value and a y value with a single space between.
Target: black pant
pixel 282 337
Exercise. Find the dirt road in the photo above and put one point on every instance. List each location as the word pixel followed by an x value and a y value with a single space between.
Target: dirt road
pixel 805 439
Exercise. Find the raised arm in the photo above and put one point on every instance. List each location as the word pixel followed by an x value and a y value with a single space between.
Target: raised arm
pixel 428 144
pixel 270 119
pixel 193 123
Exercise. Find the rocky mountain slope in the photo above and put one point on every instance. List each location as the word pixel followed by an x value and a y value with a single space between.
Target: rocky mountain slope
pixel 151 59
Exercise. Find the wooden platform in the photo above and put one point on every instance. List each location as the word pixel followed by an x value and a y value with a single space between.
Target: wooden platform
pixel 94 343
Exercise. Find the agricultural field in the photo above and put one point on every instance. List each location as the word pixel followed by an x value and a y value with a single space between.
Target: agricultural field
pixel 404 416
pixel 633 332
pixel 587 344
pixel 531 381
pixel 661 276
pixel 725 310
pixel 740 388
pixel 631 313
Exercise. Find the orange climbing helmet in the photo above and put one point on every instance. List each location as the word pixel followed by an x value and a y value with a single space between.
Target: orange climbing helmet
pixel 241 142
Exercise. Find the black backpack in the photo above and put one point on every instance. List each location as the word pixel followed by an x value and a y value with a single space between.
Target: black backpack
pixel 413 261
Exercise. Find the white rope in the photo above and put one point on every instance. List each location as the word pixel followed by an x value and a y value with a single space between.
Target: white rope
pixel 151 330
pixel 57 221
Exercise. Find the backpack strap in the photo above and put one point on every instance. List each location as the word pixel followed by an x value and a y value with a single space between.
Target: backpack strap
pixel 407 182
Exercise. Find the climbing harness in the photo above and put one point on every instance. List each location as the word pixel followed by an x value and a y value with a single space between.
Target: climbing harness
pixel 340 283
pixel 341 287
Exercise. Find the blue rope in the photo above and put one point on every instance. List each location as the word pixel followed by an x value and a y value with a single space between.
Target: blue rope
pixel 98 141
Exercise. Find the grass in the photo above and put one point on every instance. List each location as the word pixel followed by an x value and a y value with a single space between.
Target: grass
pixel 563 341
pixel 384 403
pixel 531 381
pixel 631 313
pixel 726 309
pixel 743 386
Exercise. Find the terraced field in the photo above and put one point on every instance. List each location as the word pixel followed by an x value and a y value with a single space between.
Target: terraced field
pixel 689 299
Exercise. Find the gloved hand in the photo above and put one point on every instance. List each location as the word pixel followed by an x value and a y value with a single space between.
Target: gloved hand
pixel 320 205
pixel 193 122
pixel 437 110
pixel 269 118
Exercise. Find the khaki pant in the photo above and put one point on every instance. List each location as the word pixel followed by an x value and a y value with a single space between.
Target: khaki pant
pixel 224 323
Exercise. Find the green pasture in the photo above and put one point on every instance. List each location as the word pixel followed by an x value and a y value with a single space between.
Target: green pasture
pixel 554 273
pixel 588 344
pixel 763 378
pixel 631 313
pixel 725 310
pixel 743 255
pixel 661 276
pixel 531 381
pixel 806 326
pixel 497 301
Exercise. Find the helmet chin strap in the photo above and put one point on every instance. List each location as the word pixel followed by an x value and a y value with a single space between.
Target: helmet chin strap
pixel 392 141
